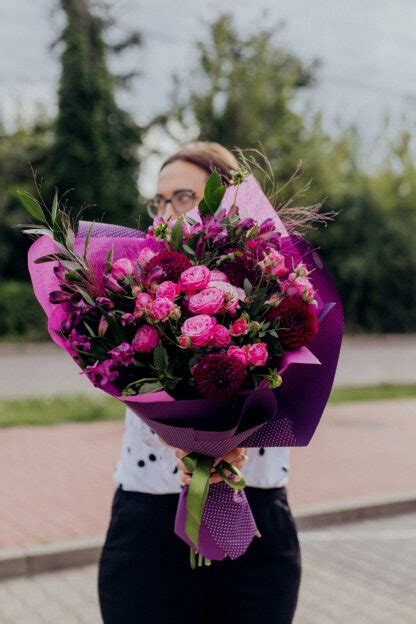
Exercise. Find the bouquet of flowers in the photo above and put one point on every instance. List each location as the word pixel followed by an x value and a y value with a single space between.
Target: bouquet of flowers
pixel 218 330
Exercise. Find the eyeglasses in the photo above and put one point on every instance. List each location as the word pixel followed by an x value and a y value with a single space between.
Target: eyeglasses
pixel 181 200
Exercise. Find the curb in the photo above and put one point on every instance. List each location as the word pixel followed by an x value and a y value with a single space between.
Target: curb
pixel 351 510
pixel 31 560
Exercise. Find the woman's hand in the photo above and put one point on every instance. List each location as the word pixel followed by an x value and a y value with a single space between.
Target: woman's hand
pixel 237 457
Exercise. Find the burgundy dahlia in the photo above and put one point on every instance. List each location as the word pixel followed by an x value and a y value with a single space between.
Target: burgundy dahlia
pixel 298 323
pixel 172 263
pixel 218 376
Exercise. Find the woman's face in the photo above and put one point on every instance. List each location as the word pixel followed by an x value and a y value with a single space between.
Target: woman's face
pixel 180 176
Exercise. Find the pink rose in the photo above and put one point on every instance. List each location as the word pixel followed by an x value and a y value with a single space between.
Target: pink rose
pixel 161 308
pixel 143 304
pixel 121 268
pixel 233 295
pixel 217 276
pixel 199 329
pixel 168 289
pixel 193 279
pixel 239 327
pixel 229 289
pixel 240 353
pixel 257 354
pixel 274 264
pixel 220 337
pixel 208 301
pixel 145 256
pixel 302 270
pixel 146 339
pixel 184 342
pixel 176 313
pixel 295 286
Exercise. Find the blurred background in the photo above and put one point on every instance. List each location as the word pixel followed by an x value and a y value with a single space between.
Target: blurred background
pixel 93 97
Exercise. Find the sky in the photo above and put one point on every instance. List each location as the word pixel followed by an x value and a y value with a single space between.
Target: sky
pixel 366 49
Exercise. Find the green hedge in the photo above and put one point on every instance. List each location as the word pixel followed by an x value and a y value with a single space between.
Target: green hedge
pixel 21 316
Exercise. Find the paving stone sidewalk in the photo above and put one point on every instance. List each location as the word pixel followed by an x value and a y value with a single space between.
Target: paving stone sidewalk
pixel 363 572
pixel 56 482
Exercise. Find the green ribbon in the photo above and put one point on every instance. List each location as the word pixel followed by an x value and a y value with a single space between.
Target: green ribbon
pixel 200 467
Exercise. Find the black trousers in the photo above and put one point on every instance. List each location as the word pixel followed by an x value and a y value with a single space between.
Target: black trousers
pixel 144 574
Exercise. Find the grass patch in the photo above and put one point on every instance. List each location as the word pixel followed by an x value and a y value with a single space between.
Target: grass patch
pixel 372 393
pixel 54 410
pixel 82 408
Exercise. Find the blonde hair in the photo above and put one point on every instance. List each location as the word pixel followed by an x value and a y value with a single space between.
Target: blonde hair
pixel 207 155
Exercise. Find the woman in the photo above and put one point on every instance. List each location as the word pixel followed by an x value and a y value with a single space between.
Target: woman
pixel 144 572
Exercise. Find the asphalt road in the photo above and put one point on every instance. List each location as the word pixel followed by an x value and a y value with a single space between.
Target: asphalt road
pixel 30 370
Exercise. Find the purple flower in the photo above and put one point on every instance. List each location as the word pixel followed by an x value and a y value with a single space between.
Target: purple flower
pixel 101 373
pixel 111 284
pixel 78 341
pixel 214 230
pixel 246 224
pixel 61 296
pixel 123 354
pixel 66 326
pixel 80 308
pixel 267 226
pixel 105 302
pixel 127 319
pixel 60 274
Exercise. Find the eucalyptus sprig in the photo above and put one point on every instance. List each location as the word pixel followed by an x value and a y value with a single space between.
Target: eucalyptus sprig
pixel 60 226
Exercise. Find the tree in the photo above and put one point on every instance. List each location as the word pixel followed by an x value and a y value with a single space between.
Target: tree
pixel 25 144
pixel 242 93
pixel 95 151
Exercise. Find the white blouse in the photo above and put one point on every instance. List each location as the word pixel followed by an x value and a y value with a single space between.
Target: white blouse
pixel 147 465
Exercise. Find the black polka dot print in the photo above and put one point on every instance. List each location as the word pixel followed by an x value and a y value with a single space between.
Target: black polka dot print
pixel 261 451
pixel 141 463
pixel 152 457
pixel 176 470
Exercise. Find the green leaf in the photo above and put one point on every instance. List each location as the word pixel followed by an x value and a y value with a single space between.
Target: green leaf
pixel 153 386
pixel 248 288
pixel 54 206
pixel 89 329
pixel 109 260
pixel 59 232
pixel 203 208
pixel 50 257
pixel 189 250
pixel 212 184
pixel 217 197
pixel 86 296
pixel 87 239
pixel 176 234
pixel 39 232
pixel 32 206
pixel 70 239
pixel 160 358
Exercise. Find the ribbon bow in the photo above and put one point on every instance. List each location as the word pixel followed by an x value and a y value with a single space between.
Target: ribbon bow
pixel 200 467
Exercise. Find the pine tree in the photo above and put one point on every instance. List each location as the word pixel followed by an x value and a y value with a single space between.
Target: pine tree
pixel 95 152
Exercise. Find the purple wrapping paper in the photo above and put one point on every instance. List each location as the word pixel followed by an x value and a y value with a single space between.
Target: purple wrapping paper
pixel 263 418
pixel 225 509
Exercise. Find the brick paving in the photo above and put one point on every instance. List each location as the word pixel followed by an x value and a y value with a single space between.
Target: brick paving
pixel 56 482
pixel 363 572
